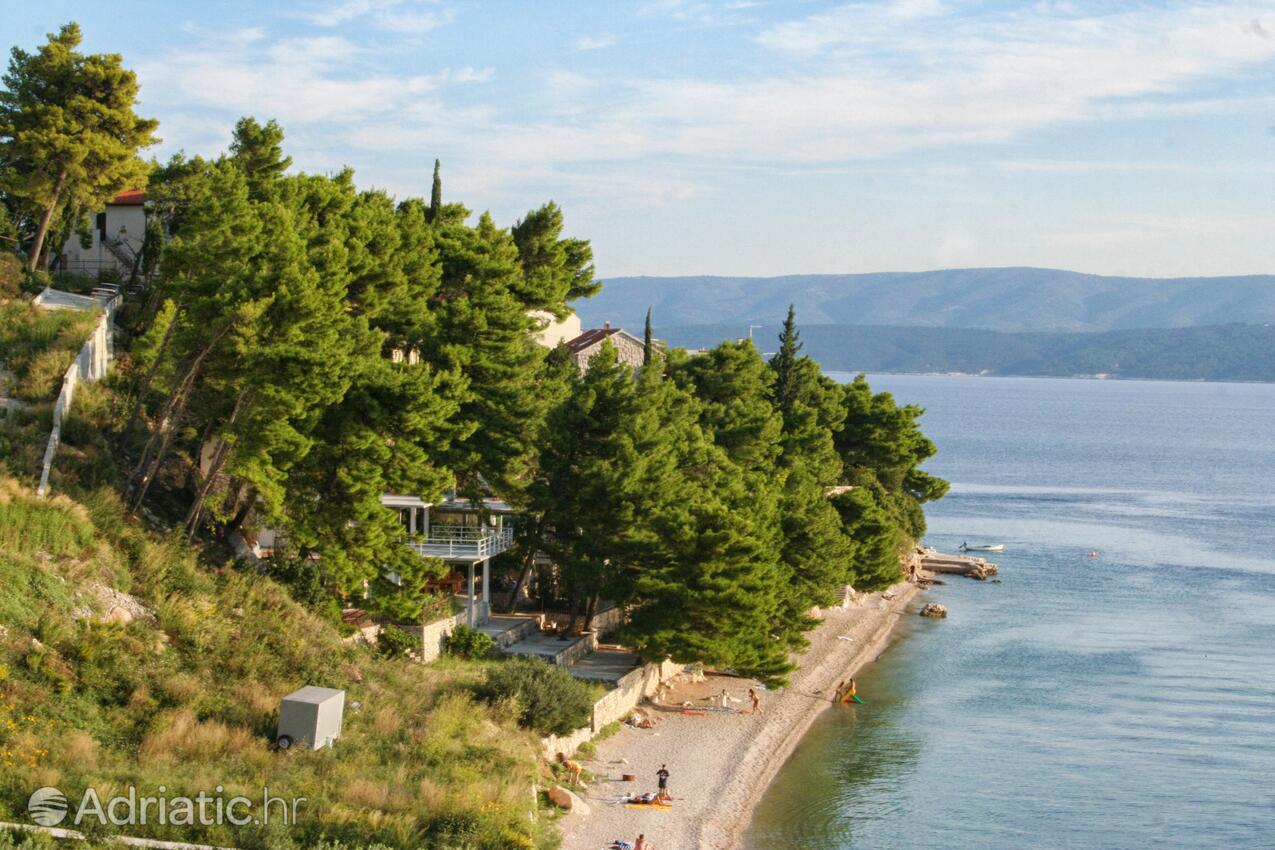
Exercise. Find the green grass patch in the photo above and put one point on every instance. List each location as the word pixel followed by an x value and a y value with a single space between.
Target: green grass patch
pixel 37 346
pixel 188 698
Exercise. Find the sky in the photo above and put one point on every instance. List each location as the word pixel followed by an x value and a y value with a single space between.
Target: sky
pixel 745 137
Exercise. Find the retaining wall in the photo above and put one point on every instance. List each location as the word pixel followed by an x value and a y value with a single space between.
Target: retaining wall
pixel 90 364
pixel 614 705
pixel 432 637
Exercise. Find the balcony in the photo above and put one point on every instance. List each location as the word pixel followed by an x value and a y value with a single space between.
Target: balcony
pixel 466 544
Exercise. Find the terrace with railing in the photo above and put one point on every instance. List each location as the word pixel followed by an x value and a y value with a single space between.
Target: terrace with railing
pixel 464 543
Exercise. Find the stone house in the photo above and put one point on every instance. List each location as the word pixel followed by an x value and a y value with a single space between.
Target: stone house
pixel 628 348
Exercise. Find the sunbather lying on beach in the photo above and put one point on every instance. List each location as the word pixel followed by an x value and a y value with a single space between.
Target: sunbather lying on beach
pixel 650 797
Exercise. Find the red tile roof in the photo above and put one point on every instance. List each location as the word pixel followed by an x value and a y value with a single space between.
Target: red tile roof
pixel 589 338
pixel 129 198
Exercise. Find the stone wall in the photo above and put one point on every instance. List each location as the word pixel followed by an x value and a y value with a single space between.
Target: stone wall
pixel 615 704
pixel 604 622
pixel 433 636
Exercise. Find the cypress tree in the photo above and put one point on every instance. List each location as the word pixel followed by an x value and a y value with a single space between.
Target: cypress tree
pixel 647 352
pixel 436 194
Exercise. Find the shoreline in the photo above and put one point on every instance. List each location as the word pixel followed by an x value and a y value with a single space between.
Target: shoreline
pixel 722 763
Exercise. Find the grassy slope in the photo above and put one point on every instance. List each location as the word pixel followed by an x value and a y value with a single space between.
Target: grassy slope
pixel 37 346
pixel 190 700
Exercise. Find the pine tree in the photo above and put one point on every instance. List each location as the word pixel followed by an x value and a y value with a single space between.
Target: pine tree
pixel 484 334
pixel 785 363
pixel 882 448
pixel 816 552
pixel 646 511
pixel 68 134
pixel 258 151
pixel 554 270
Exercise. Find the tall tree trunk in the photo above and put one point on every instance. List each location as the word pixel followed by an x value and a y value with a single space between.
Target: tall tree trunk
pixel 590 612
pixel 214 469
pixel 145 385
pixel 37 247
pixel 243 504
pixel 528 563
pixel 571 608
pixel 174 407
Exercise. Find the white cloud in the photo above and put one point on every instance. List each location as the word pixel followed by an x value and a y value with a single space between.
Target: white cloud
pixel 413 17
pixel 595 42
pixel 864 81
pixel 326 80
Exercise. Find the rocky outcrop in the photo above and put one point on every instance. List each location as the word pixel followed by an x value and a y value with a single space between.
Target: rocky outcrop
pixel 564 799
pixel 982 572
pixel 934 610
pixel 107 604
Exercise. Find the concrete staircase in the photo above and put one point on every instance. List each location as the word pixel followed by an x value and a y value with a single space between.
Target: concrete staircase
pixel 507 631
pixel 553 649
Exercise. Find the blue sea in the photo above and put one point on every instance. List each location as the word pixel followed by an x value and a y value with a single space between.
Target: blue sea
pixel 1119 701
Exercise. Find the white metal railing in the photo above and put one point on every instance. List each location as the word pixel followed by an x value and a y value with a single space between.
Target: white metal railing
pixel 467 543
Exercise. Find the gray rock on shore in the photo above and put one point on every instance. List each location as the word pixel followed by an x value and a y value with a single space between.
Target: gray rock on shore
pixel 934 610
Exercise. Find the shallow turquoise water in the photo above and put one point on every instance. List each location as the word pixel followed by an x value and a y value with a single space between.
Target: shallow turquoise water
pixel 1126 701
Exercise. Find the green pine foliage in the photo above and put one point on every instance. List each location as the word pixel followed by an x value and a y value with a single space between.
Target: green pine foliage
pixel 68 135
pixel 306 347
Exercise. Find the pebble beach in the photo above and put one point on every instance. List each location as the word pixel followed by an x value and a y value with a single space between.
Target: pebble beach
pixel 720 762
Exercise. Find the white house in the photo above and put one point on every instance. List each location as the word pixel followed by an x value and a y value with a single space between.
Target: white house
pixel 117 236
pixel 552 331
pixel 463 535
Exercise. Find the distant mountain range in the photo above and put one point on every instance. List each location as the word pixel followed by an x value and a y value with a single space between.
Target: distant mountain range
pixel 1210 353
pixel 1006 299
pixel 1008 321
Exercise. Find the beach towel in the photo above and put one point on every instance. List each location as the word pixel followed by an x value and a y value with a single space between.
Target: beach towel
pixel 659 807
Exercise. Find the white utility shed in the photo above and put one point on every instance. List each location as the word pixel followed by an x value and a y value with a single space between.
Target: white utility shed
pixel 310 717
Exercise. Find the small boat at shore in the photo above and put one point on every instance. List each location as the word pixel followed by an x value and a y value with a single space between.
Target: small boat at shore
pixel 983 547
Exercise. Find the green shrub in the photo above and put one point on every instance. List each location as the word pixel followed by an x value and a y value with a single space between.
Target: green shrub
pixel 395 643
pixel 10 276
pixel 465 642
pixel 551 700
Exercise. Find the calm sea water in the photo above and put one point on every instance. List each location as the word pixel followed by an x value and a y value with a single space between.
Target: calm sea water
pixel 1123 701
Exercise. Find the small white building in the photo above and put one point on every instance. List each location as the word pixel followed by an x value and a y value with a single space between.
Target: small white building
pixel 464 535
pixel 116 241
pixel 551 330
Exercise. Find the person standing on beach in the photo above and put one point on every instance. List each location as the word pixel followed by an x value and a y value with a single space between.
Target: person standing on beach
pixel 642 844
pixel 752 694
pixel 839 692
pixel 661 776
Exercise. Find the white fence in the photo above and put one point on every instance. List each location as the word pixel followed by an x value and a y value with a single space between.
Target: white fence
pixel 89 365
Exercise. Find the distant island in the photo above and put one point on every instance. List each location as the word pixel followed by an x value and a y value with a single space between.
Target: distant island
pixel 1007 321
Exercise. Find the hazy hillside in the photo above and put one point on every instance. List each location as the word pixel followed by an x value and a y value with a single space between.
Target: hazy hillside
pixel 1007 299
pixel 1216 352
